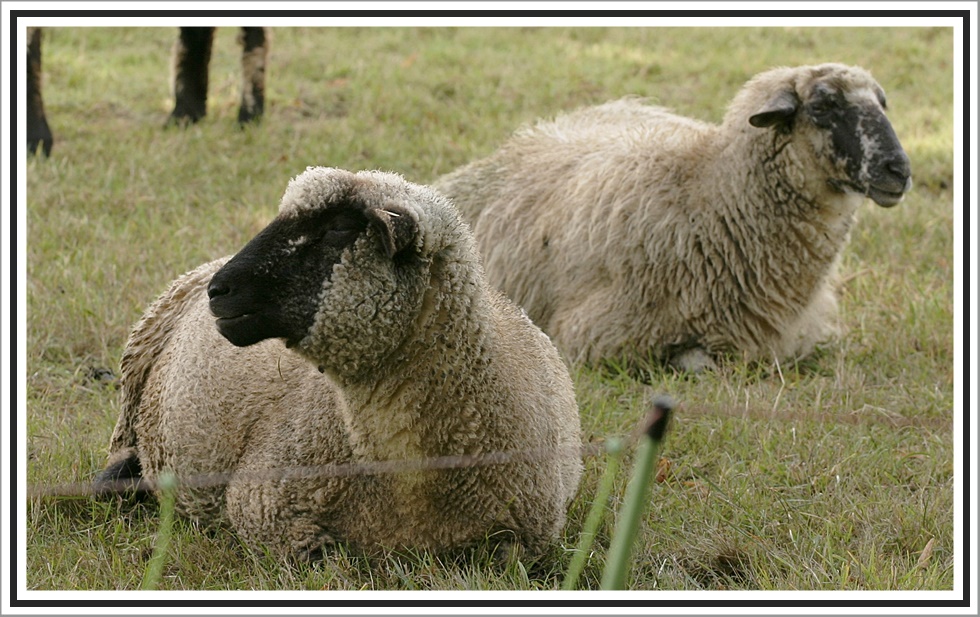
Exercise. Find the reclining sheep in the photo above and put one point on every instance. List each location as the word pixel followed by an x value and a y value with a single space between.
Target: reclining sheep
pixel 356 328
pixel 626 231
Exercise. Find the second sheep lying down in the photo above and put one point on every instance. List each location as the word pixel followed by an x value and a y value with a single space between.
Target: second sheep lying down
pixel 356 328
pixel 626 231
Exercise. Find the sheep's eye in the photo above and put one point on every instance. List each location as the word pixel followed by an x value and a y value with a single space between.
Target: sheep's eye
pixel 342 228
pixel 345 227
pixel 823 107
pixel 339 236
pixel 823 111
pixel 332 234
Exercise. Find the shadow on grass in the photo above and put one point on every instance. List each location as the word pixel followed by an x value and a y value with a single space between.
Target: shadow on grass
pixel 649 370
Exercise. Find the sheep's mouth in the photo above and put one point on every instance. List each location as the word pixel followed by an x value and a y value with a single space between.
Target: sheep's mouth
pixel 885 198
pixel 251 328
pixel 242 330
pixel 232 327
pixel 882 196
pixel 233 320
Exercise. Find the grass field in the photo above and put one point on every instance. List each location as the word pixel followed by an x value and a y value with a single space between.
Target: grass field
pixel 836 474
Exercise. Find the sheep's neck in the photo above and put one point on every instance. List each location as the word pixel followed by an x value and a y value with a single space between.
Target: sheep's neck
pixel 768 240
pixel 420 403
pixel 800 224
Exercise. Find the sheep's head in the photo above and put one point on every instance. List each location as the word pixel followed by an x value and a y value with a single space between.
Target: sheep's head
pixel 842 111
pixel 339 274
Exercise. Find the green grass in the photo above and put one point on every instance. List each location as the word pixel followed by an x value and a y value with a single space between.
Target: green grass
pixel 834 474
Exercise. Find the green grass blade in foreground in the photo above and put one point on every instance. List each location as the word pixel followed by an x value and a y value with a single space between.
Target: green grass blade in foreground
pixel 154 569
pixel 618 559
pixel 614 447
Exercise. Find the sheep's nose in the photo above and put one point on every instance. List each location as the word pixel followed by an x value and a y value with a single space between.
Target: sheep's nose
pixel 217 289
pixel 901 171
pixel 900 167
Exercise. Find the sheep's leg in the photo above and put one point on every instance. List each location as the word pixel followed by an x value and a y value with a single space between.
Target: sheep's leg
pixel 255 49
pixel 38 133
pixel 816 324
pixel 192 54
pixel 123 474
pixel 277 515
pixel 506 549
pixel 694 360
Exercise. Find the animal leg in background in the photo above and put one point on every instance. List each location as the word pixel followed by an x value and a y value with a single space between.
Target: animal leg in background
pixel 255 48
pixel 192 53
pixel 38 132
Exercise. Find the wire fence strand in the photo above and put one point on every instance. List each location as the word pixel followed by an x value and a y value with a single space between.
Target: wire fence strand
pixel 334 470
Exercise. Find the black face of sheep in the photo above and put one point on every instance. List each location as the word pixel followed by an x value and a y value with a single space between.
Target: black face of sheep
pixel 264 291
pixel 864 143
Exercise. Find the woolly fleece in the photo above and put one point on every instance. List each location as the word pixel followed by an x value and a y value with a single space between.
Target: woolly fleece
pixel 420 359
pixel 626 231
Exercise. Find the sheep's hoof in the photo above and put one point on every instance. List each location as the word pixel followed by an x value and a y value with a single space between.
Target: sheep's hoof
pixel 249 116
pixel 182 118
pixel 123 475
pixel 504 550
pixel 316 549
pixel 42 142
pixel 694 360
pixel 506 554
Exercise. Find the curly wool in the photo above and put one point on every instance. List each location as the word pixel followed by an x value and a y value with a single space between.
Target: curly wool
pixel 419 360
pixel 625 230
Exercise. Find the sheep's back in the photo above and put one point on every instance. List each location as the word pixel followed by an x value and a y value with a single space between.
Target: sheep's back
pixel 551 203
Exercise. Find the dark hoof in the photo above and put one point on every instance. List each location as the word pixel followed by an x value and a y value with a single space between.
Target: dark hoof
pixel 123 475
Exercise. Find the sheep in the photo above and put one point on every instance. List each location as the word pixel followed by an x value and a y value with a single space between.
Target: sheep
pixel 191 56
pixel 630 233
pixel 357 328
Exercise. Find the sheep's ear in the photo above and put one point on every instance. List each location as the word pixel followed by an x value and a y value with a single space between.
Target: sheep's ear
pixel 778 111
pixel 395 225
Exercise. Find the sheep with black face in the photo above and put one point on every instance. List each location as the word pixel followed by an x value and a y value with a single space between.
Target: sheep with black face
pixel 626 231
pixel 356 328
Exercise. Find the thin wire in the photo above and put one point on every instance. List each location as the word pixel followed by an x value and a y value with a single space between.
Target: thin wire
pixel 336 470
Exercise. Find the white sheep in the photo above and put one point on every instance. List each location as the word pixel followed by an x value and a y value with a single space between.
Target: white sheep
pixel 626 231
pixel 355 330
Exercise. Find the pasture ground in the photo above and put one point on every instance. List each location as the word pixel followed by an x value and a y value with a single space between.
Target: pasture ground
pixel 835 474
